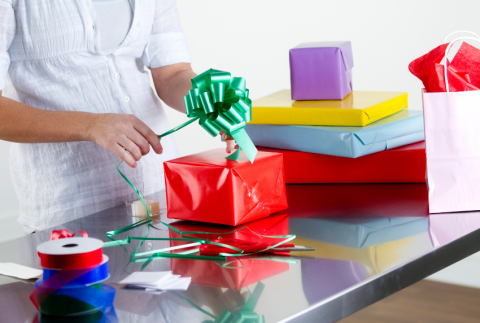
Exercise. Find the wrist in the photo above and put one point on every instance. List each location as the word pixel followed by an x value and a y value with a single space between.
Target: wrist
pixel 91 121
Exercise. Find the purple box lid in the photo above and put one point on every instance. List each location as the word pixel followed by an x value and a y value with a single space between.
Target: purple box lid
pixel 344 46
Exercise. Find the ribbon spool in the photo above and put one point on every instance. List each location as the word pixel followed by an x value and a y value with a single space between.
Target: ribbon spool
pixel 73 269
pixel 70 253
pixel 96 275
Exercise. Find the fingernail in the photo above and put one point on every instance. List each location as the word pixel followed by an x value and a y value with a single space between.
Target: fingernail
pixel 135 165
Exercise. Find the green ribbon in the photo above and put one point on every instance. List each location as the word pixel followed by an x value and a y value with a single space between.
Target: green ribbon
pixel 220 102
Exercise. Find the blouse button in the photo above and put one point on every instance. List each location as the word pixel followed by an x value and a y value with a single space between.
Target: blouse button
pixel 117 76
pixel 127 99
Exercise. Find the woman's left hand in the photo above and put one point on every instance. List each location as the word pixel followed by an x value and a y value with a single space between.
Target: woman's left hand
pixel 229 140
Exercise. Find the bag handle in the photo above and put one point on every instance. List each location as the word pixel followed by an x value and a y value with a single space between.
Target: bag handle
pixel 460 31
pixel 446 59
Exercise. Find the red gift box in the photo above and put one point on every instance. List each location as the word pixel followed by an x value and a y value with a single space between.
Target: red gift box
pixel 400 165
pixel 239 273
pixel 206 187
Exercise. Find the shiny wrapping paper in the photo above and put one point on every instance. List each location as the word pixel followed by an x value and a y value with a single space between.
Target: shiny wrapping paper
pixel 359 108
pixel 402 128
pixel 238 274
pixel 321 70
pixel 206 187
pixel 400 165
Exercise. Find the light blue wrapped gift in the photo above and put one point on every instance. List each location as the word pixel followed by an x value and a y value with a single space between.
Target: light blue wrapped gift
pixel 357 232
pixel 400 129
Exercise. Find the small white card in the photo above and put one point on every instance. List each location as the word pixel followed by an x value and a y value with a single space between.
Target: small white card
pixel 179 284
pixel 151 281
pixel 146 278
pixel 19 271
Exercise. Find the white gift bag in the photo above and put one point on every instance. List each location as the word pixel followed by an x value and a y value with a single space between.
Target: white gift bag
pixel 452 134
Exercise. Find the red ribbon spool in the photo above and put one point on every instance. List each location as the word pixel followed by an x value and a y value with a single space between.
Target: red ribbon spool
pixel 76 261
pixel 70 253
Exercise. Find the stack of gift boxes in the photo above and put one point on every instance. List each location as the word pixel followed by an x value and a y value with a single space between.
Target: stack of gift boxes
pixel 329 133
pixel 319 132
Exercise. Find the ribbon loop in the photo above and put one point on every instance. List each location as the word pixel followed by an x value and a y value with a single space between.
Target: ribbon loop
pixel 61 234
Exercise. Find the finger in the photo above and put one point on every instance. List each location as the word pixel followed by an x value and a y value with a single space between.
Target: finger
pixel 139 140
pixel 125 156
pixel 132 148
pixel 230 145
pixel 149 135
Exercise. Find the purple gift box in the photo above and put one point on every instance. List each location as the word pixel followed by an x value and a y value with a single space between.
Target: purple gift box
pixel 321 71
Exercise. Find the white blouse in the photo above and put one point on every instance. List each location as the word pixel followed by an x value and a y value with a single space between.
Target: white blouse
pixel 51 51
pixel 114 19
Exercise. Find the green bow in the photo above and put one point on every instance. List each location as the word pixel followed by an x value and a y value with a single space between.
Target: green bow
pixel 246 314
pixel 221 102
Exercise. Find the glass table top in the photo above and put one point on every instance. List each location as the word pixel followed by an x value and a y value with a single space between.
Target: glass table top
pixel 371 240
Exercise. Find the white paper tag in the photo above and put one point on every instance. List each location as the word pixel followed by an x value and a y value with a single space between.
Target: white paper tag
pixel 19 271
pixel 146 278
pixel 151 281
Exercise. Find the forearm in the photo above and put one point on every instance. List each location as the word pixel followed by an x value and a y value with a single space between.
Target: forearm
pixel 25 124
pixel 172 83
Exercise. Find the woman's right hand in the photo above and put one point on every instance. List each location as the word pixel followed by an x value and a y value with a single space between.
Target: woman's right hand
pixel 117 132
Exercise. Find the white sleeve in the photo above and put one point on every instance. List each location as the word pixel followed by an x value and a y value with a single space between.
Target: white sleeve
pixel 167 44
pixel 7 33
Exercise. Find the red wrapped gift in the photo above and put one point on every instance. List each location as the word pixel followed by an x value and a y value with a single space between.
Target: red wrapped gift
pixel 206 187
pixel 400 165
pixel 239 273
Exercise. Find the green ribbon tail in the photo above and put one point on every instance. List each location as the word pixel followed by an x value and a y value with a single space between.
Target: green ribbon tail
pixel 178 127
pixel 235 155
pixel 244 143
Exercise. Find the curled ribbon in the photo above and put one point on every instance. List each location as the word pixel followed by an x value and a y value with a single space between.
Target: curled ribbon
pixel 61 234
pixel 220 102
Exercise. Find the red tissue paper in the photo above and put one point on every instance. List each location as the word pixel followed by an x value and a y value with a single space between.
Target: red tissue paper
pixel 405 164
pixel 243 271
pixel 463 72
pixel 206 187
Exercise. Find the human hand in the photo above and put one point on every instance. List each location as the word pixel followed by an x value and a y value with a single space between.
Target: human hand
pixel 117 132
pixel 229 140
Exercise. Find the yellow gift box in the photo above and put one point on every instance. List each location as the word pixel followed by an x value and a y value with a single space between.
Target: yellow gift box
pixel 359 108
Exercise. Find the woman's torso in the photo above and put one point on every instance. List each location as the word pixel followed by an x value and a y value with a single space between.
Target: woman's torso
pixel 57 63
